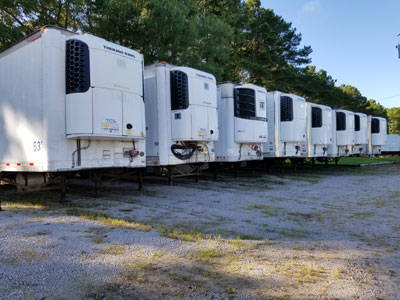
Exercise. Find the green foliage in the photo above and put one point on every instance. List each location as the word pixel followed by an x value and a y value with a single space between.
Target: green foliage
pixel 236 40
pixel 394 117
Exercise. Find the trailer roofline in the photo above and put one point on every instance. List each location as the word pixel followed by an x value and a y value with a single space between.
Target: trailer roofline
pixel 10 48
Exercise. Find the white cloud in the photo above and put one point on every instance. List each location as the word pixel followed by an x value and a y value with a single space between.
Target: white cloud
pixel 309 8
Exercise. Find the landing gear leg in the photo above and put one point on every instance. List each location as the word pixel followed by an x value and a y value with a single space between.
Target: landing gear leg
pixel 215 173
pixel 140 179
pixel 63 192
pixel 169 170
pixel 97 184
pixel 197 176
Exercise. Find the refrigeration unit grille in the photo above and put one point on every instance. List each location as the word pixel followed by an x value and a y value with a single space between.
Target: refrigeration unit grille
pixel 286 109
pixel 375 125
pixel 316 117
pixel 356 123
pixel 77 67
pixel 179 90
pixel 245 103
pixel 340 121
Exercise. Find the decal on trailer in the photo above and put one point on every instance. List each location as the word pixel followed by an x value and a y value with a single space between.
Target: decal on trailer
pixel 110 125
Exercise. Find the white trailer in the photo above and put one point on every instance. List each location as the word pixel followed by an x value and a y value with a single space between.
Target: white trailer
pixel 242 119
pixel 360 134
pixel 287 130
pixel 70 102
pixel 392 145
pixel 181 115
pixel 343 133
pixel 377 133
pixel 319 129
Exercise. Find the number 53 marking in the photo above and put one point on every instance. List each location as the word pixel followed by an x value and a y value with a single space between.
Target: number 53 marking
pixel 37 146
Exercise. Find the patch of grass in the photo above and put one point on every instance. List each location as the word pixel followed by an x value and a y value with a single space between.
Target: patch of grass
pixel 44 232
pixel 292 233
pixel 268 210
pixel 206 254
pixel 300 218
pixel 21 206
pixel 238 242
pixel 107 219
pixel 30 200
pixel 189 237
pixel 363 215
pixel 136 270
pixel 276 199
pixel 367 160
pixel 98 234
pixel 29 255
pixel 156 254
pixel 302 272
pixel 112 250
pixel 179 235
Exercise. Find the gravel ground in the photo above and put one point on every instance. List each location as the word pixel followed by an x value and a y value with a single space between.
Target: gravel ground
pixel 323 233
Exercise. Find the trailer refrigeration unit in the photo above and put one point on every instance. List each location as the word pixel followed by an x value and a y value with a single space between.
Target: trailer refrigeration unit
pixel 319 129
pixel 377 133
pixel 343 133
pixel 392 145
pixel 242 118
pixel 181 119
pixel 360 134
pixel 286 114
pixel 70 102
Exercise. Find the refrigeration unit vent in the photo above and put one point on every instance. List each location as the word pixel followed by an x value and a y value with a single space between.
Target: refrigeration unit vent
pixel 77 67
pixel 340 121
pixel 316 115
pixel 179 90
pixel 245 103
pixel 375 125
pixel 356 123
pixel 286 109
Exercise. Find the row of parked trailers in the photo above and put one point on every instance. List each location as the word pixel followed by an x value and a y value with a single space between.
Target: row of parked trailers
pixel 73 102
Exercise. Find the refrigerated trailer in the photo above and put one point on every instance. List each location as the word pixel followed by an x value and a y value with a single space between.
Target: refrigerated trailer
pixel 392 145
pixel 242 122
pixel 70 102
pixel 360 134
pixel 287 128
pixel 377 134
pixel 343 133
pixel 181 115
pixel 319 129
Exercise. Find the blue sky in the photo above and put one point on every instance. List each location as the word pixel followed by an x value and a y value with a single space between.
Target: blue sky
pixel 354 40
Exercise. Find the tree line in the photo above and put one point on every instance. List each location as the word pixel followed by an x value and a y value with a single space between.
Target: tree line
pixel 235 40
